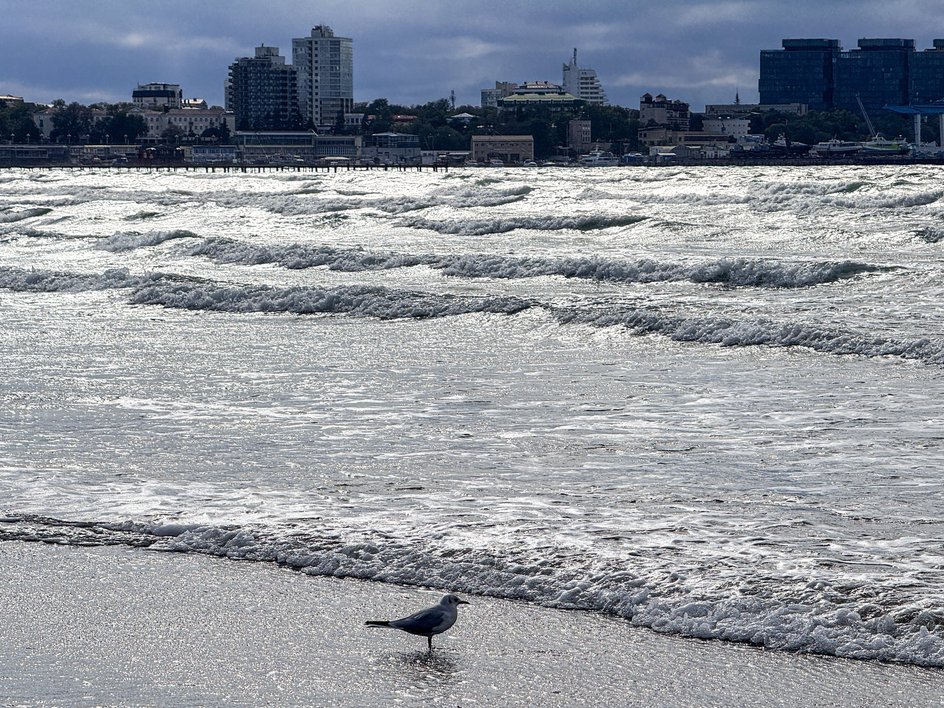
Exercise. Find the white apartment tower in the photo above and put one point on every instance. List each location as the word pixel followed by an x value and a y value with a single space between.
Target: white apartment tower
pixel 325 66
pixel 583 83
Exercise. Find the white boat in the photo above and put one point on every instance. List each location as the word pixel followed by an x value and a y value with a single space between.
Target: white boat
pixel 599 158
pixel 879 145
pixel 837 147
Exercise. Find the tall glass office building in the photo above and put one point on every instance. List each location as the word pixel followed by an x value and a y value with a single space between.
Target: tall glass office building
pixel 926 82
pixel 802 72
pixel 877 72
pixel 880 72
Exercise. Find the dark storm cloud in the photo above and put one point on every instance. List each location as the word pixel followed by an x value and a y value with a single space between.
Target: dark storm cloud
pixel 419 50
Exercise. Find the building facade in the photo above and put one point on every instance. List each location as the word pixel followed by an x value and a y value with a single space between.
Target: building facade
pixel 727 125
pixel 583 83
pixel 325 66
pixel 491 97
pixel 742 109
pixel 507 148
pixel 539 94
pixel 262 92
pixel 802 72
pixel 879 72
pixel 926 76
pixel 157 96
pixel 392 149
pixel 660 111
pixel 188 122
pixel 579 136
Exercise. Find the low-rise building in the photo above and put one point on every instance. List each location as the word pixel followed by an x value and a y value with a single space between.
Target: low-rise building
pixel 663 112
pixel 740 109
pixel 43 120
pixel 354 121
pixel 727 125
pixel 191 122
pixel 507 148
pixel 157 96
pixel 539 94
pixel 579 136
pixel 213 154
pixel 392 149
pixel 296 146
pixel 657 136
pixel 490 97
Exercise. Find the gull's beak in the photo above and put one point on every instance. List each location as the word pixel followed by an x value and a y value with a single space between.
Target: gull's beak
pixel 463 602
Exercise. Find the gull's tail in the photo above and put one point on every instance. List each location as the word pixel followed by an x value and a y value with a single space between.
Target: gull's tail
pixel 375 623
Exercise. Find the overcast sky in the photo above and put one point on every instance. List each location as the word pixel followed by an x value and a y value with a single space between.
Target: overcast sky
pixel 413 51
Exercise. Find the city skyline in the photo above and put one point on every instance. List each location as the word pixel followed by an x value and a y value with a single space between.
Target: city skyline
pixel 700 52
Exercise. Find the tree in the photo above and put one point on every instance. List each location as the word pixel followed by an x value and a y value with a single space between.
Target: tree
pixel 118 126
pixel 172 134
pixel 16 119
pixel 72 122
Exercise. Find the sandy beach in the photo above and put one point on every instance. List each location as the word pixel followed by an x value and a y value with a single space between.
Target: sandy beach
pixel 117 626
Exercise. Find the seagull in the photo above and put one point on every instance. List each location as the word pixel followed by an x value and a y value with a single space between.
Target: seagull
pixel 426 623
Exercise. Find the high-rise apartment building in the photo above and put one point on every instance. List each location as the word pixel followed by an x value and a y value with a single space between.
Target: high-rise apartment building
pixel 583 83
pixel 262 92
pixel 325 66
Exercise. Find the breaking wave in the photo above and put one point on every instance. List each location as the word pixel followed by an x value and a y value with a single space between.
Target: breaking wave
pixel 732 272
pixel 126 241
pixel 382 303
pixel 930 235
pixel 7 217
pixel 776 612
pixel 759 332
pixel 500 225
pixel 20 280
pixel 143 216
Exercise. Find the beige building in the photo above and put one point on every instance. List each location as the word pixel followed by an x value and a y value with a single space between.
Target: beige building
pixel 662 111
pixel 662 136
pixel 507 148
pixel 727 125
pixel 579 136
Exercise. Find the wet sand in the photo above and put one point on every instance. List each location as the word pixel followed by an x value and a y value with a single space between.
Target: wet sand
pixel 118 626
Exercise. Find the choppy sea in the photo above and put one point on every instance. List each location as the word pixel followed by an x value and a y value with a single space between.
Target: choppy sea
pixel 710 401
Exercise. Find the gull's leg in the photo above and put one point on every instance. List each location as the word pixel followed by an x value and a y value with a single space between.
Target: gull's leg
pixel 429 642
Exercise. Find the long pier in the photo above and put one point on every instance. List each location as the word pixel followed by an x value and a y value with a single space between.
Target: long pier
pixel 244 169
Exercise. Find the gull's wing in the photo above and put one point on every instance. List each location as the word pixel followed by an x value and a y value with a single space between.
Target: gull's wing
pixel 423 621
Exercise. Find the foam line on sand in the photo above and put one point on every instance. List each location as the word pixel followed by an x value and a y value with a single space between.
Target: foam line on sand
pixel 121 626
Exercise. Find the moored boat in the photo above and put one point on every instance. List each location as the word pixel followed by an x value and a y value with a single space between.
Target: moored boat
pixel 599 158
pixel 837 147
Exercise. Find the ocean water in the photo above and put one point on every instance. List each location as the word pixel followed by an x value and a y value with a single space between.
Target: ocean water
pixel 706 400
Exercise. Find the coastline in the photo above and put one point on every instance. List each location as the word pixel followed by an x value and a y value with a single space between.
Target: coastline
pixel 121 626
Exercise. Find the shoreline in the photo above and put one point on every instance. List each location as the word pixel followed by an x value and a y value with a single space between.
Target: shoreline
pixel 114 625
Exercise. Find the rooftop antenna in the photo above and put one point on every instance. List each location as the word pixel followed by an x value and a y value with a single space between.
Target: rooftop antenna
pixel 575 56
pixel 452 97
pixel 737 97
